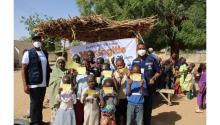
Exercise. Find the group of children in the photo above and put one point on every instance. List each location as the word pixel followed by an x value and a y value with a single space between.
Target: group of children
pixel 183 78
pixel 100 93
pixel 109 93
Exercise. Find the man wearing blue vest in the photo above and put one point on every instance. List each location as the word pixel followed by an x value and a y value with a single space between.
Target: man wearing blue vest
pixel 35 75
pixel 151 70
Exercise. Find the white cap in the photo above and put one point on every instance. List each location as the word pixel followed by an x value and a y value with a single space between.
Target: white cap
pixel 150 50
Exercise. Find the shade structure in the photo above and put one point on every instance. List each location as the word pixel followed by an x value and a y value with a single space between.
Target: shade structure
pixel 93 28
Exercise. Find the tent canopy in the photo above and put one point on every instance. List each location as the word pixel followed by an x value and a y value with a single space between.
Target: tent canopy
pixel 93 28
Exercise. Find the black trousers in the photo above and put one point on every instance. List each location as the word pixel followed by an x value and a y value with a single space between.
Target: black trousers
pixel 148 102
pixel 121 111
pixel 36 104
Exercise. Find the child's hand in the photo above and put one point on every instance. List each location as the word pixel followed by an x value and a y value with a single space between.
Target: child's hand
pixel 113 76
pixel 121 75
pixel 151 81
pixel 201 90
pixel 26 89
pixel 141 83
pixel 85 95
pixel 95 95
pixel 130 81
pixel 101 92
pixel 128 73
pixel 75 73
pixel 60 90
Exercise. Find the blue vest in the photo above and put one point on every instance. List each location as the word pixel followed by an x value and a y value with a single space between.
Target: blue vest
pixel 150 66
pixel 35 73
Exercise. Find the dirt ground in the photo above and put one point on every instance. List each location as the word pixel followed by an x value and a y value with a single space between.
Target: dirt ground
pixel 182 112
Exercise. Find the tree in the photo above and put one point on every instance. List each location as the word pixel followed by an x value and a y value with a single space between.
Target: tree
pixel 181 24
pixel 31 22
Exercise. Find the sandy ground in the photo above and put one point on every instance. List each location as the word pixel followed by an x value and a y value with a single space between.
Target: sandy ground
pixel 182 112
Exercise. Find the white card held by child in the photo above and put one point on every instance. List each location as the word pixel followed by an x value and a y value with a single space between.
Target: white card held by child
pixel 136 77
pixel 107 73
pixel 72 65
pixel 91 92
pixel 108 90
pixel 66 87
pixel 98 80
pixel 81 70
pixel 124 70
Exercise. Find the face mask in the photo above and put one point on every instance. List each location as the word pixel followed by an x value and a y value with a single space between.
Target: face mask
pixel 141 52
pixel 37 44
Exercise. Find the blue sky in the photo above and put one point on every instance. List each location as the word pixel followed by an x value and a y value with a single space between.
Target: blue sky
pixel 53 8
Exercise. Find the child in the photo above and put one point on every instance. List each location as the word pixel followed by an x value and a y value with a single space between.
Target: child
pixel 188 82
pixel 201 97
pixel 108 102
pixel 135 91
pixel 90 100
pixel 58 72
pixel 76 58
pixel 65 114
pixel 75 63
pixel 96 70
pixel 81 82
pixel 182 71
pixel 105 67
pixel 177 89
pixel 121 76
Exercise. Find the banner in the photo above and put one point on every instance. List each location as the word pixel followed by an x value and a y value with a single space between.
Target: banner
pixel 125 48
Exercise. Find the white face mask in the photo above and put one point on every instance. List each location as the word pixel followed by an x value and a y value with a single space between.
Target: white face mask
pixel 37 44
pixel 141 52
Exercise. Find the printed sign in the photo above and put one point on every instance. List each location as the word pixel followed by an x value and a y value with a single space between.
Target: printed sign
pixel 125 48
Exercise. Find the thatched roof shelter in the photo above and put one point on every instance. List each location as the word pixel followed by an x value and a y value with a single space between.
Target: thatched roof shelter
pixel 93 28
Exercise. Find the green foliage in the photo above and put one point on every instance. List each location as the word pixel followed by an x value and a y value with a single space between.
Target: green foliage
pixel 181 22
pixel 31 22
pixel 75 43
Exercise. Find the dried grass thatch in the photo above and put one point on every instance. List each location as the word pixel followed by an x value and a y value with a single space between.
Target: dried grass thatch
pixel 93 28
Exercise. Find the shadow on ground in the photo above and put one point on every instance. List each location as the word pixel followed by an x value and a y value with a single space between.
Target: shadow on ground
pixel 25 122
pixel 159 101
pixel 166 118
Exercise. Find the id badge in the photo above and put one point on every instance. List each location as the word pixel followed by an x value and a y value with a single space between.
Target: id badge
pixel 149 67
pixel 142 70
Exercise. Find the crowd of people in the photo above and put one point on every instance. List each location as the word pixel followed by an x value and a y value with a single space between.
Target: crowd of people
pixel 85 93
pixel 184 79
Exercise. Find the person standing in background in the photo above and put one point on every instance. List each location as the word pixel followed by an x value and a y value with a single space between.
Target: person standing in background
pixel 201 97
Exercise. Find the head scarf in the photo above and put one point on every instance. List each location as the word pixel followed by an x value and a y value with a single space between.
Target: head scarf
pixel 150 50
pixel 60 58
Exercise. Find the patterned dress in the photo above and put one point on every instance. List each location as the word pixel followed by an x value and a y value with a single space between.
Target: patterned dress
pixel 108 111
